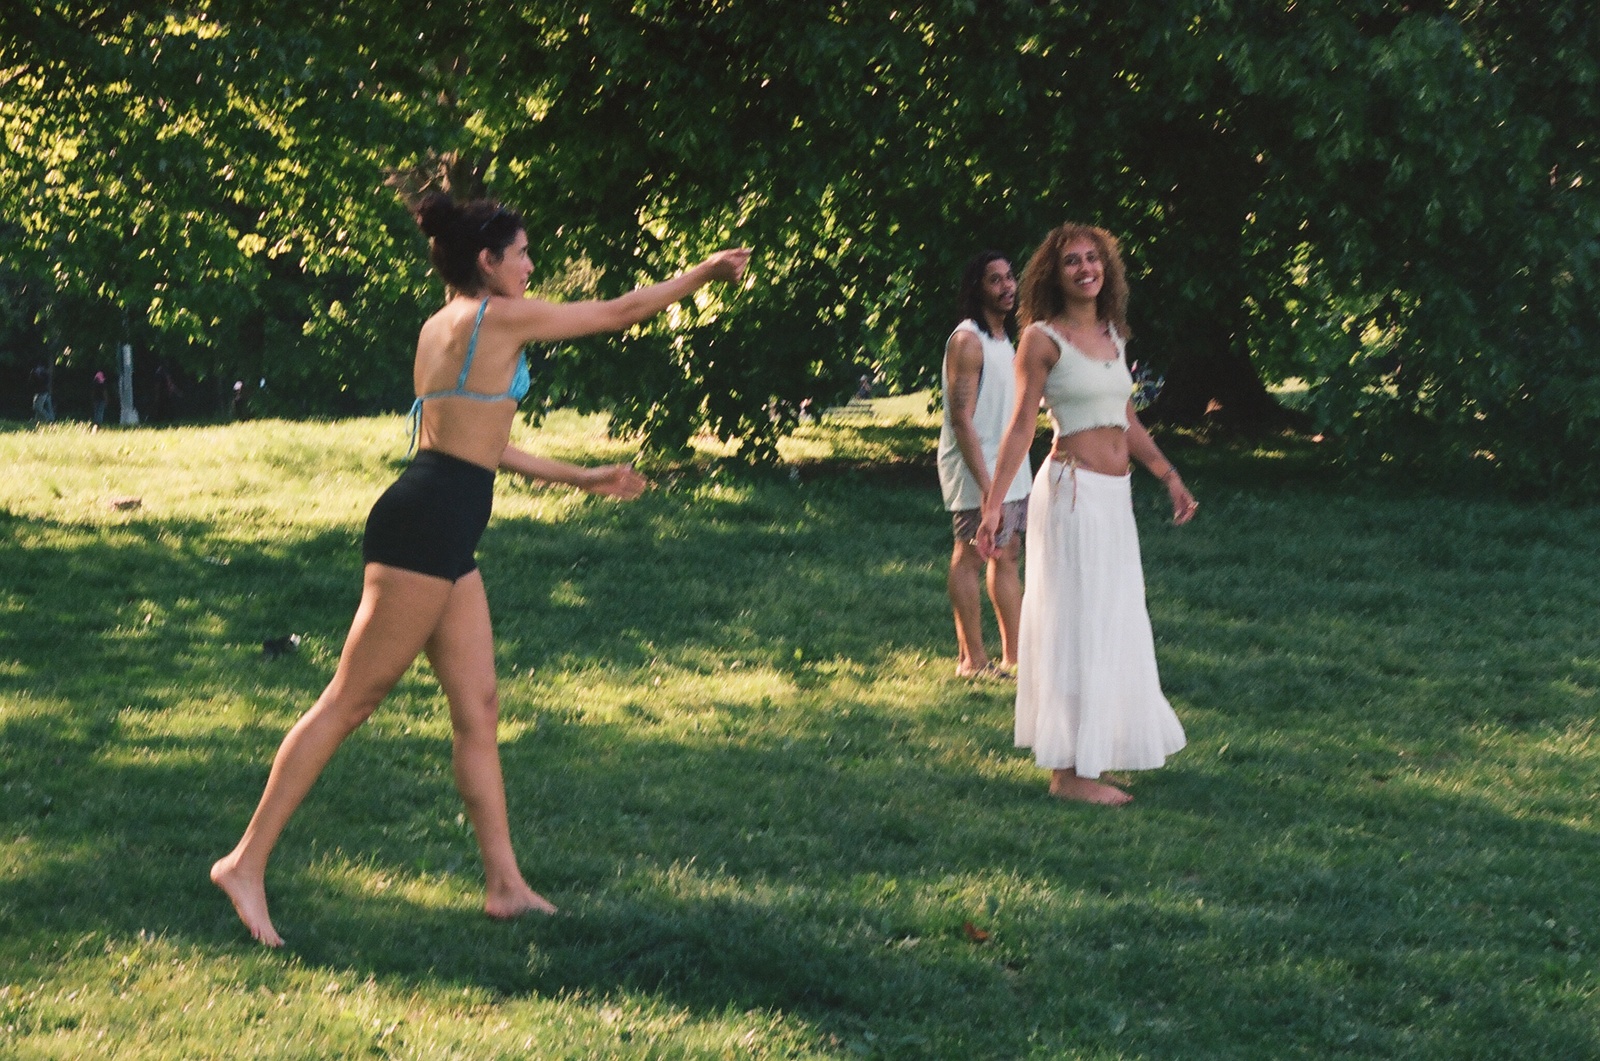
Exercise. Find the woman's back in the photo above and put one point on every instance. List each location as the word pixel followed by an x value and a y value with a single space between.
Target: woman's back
pixel 467 415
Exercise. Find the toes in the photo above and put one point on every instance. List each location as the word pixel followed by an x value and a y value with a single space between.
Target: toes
pixel 1091 792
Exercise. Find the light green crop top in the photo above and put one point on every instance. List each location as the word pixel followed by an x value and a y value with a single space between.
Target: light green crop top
pixel 1083 392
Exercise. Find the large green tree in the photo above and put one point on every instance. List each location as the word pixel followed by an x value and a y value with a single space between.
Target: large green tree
pixel 212 191
pixel 1391 201
pixel 1307 190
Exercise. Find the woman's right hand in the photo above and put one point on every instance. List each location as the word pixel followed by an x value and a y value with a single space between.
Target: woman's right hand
pixel 729 264
pixel 988 527
pixel 614 480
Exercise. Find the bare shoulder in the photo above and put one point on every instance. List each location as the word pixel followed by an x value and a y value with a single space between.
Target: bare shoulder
pixel 963 352
pixel 438 322
pixel 516 312
pixel 503 329
pixel 437 334
pixel 1037 347
pixel 518 320
pixel 504 306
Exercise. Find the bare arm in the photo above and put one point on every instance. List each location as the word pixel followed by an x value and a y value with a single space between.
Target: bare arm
pixel 1035 358
pixel 611 480
pixel 1143 449
pixel 527 320
pixel 963 369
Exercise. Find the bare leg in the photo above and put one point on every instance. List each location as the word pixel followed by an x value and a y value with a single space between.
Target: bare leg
pixel 462 653
pixel 1005 591
pixel 1066 784
pixel 966 596
pixel 398 611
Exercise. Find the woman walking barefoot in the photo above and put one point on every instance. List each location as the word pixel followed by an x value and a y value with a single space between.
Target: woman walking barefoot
pixel 1088 695
pixel 421 589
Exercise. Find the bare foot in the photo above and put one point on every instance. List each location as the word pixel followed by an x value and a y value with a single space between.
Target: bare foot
pixel 514 901
pixel 1082 790
pixel 249 895
pixel 972 670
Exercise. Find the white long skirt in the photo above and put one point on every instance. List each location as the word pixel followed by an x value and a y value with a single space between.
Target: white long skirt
pixel 1088 695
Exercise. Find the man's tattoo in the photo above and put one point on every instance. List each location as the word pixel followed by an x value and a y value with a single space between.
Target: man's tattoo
pixel 964 395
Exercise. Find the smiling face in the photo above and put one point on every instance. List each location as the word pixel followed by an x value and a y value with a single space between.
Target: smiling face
pixel 1076 268
pixel 508 274
pixel 1083 270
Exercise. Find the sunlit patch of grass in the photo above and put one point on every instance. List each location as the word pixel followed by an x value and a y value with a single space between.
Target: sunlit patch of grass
pixel 738 758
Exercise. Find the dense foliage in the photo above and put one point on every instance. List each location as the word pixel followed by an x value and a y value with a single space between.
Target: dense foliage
pixel 1393 202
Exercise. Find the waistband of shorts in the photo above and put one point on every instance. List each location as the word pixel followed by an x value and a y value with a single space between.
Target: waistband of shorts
pixel 435 460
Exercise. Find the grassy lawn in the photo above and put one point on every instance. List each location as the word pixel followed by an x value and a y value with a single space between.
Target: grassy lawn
pixel 777 825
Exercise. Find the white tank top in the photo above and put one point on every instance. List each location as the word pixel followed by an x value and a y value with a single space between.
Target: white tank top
pixel 997 394
pixel 1084 392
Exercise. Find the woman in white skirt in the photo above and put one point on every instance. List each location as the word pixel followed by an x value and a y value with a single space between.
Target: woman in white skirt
pixel 1088 695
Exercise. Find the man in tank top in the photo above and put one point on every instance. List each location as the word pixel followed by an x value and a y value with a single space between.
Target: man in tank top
pixel 979 390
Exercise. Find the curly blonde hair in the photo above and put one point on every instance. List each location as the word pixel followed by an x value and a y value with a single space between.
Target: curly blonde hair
pixel 1039 295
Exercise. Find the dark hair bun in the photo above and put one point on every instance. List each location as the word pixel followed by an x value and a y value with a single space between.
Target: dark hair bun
pixel 458 232
pixel 437 214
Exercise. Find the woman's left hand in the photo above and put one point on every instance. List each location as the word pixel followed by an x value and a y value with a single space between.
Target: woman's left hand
pixel 615 480
pixel 1183 502
pixel 729 264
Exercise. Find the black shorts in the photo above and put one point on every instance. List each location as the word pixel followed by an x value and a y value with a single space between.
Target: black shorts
pixel 430 520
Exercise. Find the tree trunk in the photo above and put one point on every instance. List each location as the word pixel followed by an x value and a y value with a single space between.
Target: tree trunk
pixel 1212 382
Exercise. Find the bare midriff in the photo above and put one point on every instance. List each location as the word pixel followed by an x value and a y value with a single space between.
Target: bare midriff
pixel 476 432
pixel 1098 449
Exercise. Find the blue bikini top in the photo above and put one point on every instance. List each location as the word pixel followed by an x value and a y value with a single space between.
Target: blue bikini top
pixel 520 383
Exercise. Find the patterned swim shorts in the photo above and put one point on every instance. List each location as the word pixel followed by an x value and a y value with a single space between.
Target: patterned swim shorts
pixel 1013 521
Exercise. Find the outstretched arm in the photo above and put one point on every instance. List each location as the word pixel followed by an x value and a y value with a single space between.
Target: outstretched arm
pixel 528 320
pixel 1146 452
pixel 609 480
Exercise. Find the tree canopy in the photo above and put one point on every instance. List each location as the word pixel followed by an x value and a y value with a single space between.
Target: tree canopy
pixel 1393 202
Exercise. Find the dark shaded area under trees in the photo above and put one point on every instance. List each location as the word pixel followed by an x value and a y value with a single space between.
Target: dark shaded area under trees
pixel 1393 203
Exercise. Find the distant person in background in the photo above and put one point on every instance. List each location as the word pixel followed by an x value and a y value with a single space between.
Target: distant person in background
pixel 979 391
pixel 236 403
pixel 166 393
pixel 44 407
pixel 97 397
pixel 1088 695
pixel 422 591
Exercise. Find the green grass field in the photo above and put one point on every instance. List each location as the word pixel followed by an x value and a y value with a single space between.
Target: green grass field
pixel 738 759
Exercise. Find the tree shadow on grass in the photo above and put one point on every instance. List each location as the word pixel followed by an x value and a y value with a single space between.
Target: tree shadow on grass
pixel 1276 900
pixel 833 882
pixel 114 599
